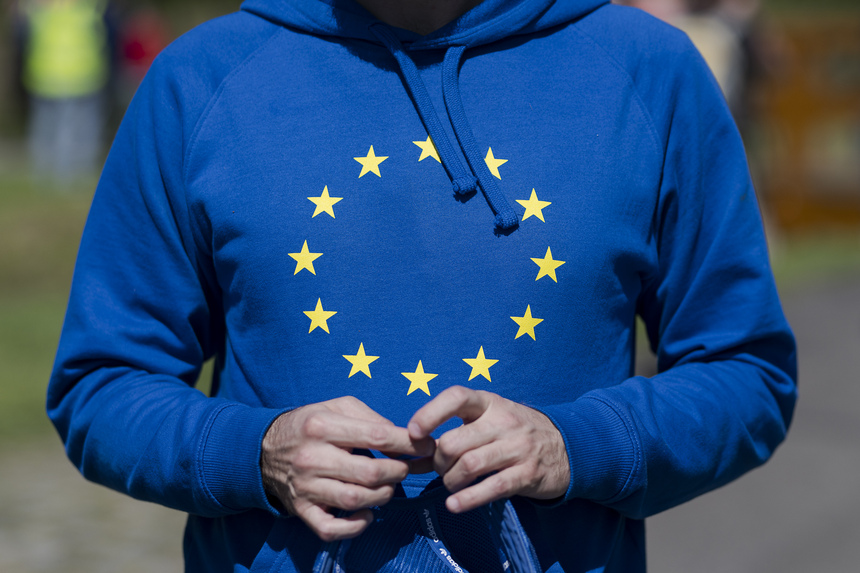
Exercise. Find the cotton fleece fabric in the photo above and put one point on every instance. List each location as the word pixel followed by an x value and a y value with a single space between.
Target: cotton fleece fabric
pixel 274 200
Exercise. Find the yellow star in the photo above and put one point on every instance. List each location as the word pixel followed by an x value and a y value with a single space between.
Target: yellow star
pixel 547 266
pixel 305 259
pixel 527 323
pixel 319 317
pixel 419 379
pixel 533 206
pixel 494 163
pixel 324 203
pixel 428 149
pixel 480 365
pixel 370 163
pixel 360 361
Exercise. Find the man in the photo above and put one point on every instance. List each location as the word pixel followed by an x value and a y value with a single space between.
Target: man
pixel 65 71
pixel 376 233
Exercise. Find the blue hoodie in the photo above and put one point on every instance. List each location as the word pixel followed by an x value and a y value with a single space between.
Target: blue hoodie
pixel 329 206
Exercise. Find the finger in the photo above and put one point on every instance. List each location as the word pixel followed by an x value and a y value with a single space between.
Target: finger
pixel 454 443
pixel 505 484
pixel 405 457
pixel 355 408
pixel 479 462
pixel 336 463
pixel 346 496
pixel 331 528
pixel 456 401
pixel 349 433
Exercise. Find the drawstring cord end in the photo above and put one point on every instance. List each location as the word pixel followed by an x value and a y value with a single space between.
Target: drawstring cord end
pixel 506 222
pixel 464 182
pixel 465 186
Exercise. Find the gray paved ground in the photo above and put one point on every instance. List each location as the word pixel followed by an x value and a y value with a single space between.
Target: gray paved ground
pixel 52 520
pixel 799 512
pixel 796 514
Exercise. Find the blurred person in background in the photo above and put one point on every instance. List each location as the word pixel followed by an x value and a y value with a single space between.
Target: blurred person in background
pixel 763 55
pixel 66 66
pixel 15 73
pixel 717 37
pixel 143 33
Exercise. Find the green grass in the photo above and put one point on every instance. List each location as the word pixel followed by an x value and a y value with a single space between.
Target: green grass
pixel 39 234
pixel 40 229
pixel 800 260
pixel 28 339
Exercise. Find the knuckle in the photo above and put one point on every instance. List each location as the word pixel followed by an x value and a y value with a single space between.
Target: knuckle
pixel 530 477
pixel 525 468
pixel 487 395
pixel 459 393
pixel 326 531
pixel 451 484
pixel 370 474
pixel 508 419
pixel 349 499
pixel 304 460
pixel 314 426
pixel 297 489
pixel 471 463
pixel 447 445
pixel 501 486
pixel 386 493
pixel 377 436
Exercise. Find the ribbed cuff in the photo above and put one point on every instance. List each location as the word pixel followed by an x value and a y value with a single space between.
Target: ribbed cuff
pixel 601 448
pixel 230 461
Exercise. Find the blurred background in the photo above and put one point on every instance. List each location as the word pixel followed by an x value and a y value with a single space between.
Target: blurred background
pixel 790 70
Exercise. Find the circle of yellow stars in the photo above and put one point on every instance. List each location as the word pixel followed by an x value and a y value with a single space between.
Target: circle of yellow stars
pixel 419 379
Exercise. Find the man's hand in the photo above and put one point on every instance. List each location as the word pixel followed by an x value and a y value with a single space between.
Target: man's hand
pixel 521 445
pixel 307 464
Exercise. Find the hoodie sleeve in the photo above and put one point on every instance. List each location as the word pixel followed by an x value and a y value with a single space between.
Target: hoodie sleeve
pixel 725 391
pixel 144 314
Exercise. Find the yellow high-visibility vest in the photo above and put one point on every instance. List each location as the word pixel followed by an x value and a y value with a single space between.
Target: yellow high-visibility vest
pixel 66 53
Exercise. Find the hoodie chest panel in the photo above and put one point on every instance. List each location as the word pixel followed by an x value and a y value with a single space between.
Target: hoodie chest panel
pixel 347 270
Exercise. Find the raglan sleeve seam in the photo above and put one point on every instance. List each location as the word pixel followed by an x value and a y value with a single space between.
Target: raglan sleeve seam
pixel 213 100
pixel 656 140
pixel 196 233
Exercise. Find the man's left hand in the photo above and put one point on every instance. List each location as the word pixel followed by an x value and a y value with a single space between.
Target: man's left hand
pixel 518 448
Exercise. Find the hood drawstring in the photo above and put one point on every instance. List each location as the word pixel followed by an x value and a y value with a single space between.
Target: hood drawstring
pixel 465 183
pixel 506 219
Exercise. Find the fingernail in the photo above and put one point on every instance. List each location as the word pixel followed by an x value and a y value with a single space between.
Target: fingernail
pixel 453 504
pixel 414 430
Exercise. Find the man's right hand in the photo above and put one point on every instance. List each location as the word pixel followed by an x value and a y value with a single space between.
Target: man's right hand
pixel 308 465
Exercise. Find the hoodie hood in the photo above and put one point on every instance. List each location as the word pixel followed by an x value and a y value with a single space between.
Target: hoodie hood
pixel 489 21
